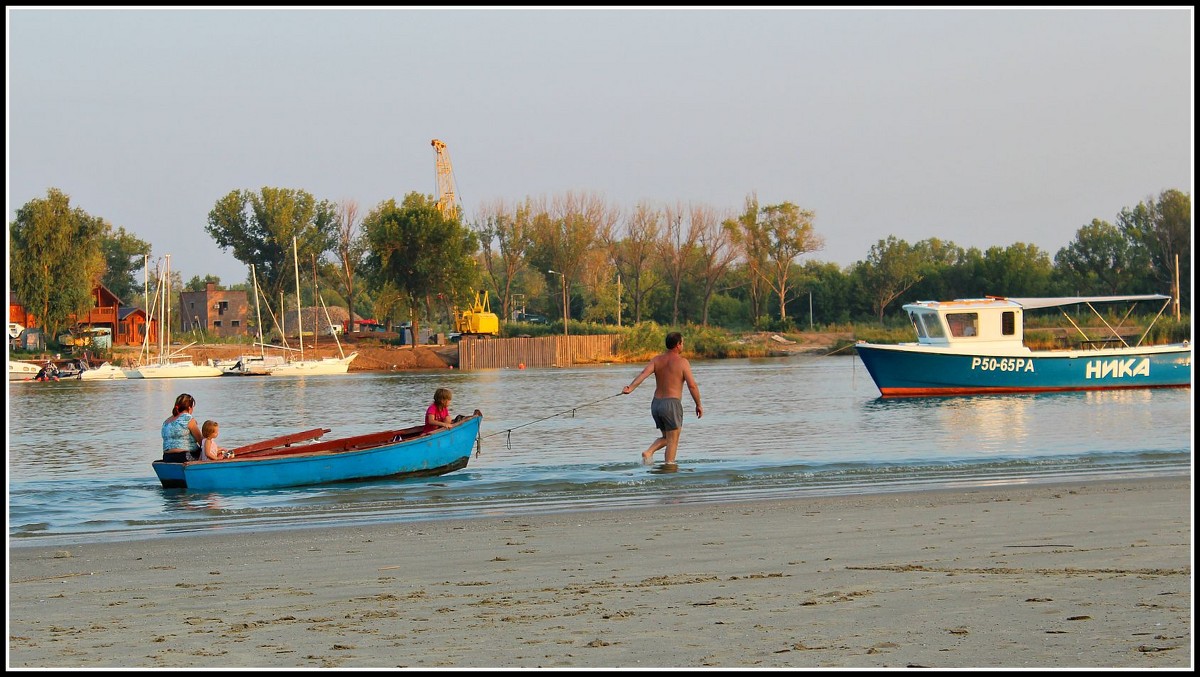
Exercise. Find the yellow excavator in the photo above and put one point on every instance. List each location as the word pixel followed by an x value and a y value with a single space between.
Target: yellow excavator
pixel 478 320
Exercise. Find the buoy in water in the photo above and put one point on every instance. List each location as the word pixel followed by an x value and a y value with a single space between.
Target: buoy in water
pixel 521 365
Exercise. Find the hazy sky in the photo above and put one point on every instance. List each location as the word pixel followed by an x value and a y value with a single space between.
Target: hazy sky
pixel 983 127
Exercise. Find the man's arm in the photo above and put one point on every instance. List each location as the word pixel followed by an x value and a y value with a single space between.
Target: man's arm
pixel 693 387
pixel 640 377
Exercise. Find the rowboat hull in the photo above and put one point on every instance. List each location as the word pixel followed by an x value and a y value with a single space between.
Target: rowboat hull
pixel 389 454
pixel 913 370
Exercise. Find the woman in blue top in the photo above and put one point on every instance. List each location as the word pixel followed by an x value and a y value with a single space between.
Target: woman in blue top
pixel 180 432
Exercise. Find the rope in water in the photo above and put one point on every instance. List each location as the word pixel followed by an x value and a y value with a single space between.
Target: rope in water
pixel 508 431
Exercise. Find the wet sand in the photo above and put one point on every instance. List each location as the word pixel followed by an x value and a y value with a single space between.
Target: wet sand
pixel 1071 575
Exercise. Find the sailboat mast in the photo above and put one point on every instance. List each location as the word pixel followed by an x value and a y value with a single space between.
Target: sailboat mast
pixel 167 310
pixel 262 349
pixel 299 318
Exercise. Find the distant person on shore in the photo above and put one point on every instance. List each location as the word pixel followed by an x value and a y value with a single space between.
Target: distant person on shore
pixel 49 372
pixel 212 452
pixel 180 433
pixel 438 413
pixel 671 370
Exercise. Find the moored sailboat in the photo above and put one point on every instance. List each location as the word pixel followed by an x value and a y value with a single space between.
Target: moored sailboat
pixel 173 364
pixel 312 367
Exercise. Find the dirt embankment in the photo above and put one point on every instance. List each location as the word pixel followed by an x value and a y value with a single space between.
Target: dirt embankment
pixel 373 357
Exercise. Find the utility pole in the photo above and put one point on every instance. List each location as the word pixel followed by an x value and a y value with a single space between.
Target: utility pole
pixel 618 299
pixel 316 320
pixel 566 336
pixel 1177 285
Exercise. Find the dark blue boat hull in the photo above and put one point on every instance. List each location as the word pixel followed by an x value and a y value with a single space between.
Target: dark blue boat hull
pixel 910 371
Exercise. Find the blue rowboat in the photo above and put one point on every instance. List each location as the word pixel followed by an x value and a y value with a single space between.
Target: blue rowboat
pixel 303 458
pixel 976 346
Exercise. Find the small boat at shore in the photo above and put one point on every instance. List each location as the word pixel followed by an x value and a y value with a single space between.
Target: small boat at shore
pixel 80 369
pixel 22 371
pixel 315 367
pixel 174 368
pixel 249 365
pixel 302 459
pixel 977 346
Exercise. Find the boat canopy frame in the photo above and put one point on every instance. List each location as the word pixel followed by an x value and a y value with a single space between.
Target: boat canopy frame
pixel 1032 303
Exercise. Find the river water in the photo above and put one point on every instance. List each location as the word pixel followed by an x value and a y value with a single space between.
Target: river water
pixel 79 453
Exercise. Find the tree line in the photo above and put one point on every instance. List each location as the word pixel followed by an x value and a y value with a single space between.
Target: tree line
pixel 577 256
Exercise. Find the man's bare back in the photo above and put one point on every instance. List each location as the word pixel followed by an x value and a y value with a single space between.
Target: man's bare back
pixel 671 370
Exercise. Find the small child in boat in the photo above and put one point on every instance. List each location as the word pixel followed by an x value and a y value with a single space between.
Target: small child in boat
pixel 211 451
pixel 438 413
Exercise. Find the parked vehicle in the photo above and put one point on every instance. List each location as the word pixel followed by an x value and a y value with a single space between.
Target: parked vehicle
pixel 531 318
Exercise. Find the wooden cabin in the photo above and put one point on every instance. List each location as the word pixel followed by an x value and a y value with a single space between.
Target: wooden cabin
pixel 17 312
pixel 127 323
pixel 133 325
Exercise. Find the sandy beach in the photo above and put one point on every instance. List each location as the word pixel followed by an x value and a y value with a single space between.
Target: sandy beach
pixel 1073 575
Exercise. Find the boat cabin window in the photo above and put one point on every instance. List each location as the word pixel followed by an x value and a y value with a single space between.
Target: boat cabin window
pixel 963 324
pixel 1008 323
pixel 927 325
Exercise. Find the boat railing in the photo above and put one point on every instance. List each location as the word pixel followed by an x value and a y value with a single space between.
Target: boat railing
pixel 1102 343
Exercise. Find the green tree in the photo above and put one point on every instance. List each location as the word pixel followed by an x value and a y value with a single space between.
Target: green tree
pixel 752 242
pixel 420 252
pixel 509 230
pixel 833 298
pixel 677 252
pixel 1102 260
pixel 634 255
pixel 55 259
pixel 788 232
pixel 198 283
pixel 563 237
pixel 890 269
pixel 939 259
pixel 124 256
pixel 716 250
pixel 1163 228
pixel 350 246
pixel 1019 269
pixel 259 228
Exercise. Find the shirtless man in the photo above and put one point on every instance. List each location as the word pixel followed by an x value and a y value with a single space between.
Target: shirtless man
pixel 671 371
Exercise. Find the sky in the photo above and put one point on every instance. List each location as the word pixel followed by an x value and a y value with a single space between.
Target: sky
pixel 984 127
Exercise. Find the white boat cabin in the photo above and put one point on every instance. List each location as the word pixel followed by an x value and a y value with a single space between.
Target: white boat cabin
pixel 995 324
pixel 967 321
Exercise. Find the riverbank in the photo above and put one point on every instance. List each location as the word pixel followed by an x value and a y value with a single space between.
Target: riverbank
pixel 377 356
pixel 1074 575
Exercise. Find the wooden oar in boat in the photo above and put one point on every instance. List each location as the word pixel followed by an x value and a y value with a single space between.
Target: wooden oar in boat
pixel 275 443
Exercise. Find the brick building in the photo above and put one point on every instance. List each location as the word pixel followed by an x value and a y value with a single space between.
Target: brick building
pixel 220 312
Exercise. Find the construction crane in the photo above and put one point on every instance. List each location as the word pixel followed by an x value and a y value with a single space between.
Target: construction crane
pixel 478 320
pixel 447 201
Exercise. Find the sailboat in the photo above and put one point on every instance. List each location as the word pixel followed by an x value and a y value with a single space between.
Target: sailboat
pixel 313 367
pixel 248 364
pixel 168 365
